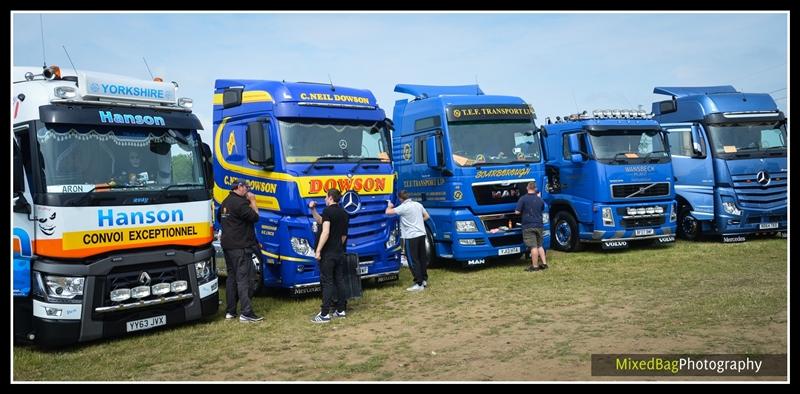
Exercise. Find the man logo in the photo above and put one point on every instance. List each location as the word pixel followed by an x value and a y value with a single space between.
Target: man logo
pixel 351 202
pixel 144 278
pixel 763 178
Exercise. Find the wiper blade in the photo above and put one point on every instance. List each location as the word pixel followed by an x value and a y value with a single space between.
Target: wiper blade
pixel 165 188
pixel 85 195
pixel 363 159
pixel 313 163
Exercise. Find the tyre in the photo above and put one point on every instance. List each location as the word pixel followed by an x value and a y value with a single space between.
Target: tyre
pixel 688 225
pixel 564 233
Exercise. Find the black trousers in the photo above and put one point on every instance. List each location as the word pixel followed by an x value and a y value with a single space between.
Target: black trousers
pixel 331 279
pixel 237 286
pixel 417 258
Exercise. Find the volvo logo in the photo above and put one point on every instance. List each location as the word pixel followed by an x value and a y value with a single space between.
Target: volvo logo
pixel 351 202
pixel 762 178
pixel 342 144
pixel 144 278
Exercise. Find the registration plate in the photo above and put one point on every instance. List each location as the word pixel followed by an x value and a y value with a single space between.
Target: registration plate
pixel 644 231
pixel 505 251
pixel 146 324
pixel 764 226
pixel 363 269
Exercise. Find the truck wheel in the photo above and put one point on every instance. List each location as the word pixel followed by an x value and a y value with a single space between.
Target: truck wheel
pixel 430 249
pixel 688 226
pixel 564 233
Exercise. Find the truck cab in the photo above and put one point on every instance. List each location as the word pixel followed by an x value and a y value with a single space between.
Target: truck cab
pixel 609 180
pixel 291 142
pixel 730 161
pixel 112 207
pixel 467 157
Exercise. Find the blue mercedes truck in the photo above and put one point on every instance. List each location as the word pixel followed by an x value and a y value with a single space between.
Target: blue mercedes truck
pixel 729 157
pixel 291 143
pixel 467 157
pixel 609 180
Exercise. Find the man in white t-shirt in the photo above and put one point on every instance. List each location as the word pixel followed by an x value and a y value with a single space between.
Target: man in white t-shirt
pixel 412 230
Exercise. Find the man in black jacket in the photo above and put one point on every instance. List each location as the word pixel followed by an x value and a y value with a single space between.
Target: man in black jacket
pixel 238 214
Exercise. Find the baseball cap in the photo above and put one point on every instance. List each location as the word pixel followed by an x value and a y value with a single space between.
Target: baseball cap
pixel 236 184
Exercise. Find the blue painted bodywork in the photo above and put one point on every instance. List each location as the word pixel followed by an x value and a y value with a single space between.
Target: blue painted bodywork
pixel 705 181
pixel 449 192
pixel 584 188
pixel 274 101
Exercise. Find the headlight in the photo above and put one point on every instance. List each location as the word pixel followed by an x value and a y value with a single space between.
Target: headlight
pixel 650 210
pixel 392 240
pixel 545 218
pixel 159 289
pixel 202 269
pixel 466 226
pixel 730 208
pixel 178 286
pixel 631 211
pixel 673 213
pixel 120 295
pixel 140 291
pixel 659 209
pixel 641 211
pixel 301 247
pixel 608 219
pixel 64 288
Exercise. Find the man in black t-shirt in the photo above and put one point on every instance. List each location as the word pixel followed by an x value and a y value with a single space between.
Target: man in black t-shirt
pixel 330 253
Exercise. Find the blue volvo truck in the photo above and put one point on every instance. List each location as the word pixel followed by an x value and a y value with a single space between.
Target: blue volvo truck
pixel 467 157
pixel 291 143
pixel 729 157
pixel 609 180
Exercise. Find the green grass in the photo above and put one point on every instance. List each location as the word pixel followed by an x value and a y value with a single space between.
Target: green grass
pixel 491 323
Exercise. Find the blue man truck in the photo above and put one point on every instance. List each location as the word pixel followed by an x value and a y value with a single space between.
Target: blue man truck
pixel 609 180
pixel 467 157
pixel 729 157
pixel 112 208
pixel 291 143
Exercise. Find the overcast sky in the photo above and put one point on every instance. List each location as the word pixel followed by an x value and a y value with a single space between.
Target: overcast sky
pixel 559 62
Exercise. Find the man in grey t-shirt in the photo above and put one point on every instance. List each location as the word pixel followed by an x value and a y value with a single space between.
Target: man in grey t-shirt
pixel 412 230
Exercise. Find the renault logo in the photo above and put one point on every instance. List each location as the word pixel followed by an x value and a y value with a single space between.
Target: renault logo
pixel 762 178
pixel 144 278
pixel 351 202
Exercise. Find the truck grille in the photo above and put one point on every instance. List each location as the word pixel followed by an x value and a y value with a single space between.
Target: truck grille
pixel 506 240
pixel 754 195
pixel 643 222
pixel 165 272
pixel 365 226
pixel 648 190
pixel 495 221
pixel 498 193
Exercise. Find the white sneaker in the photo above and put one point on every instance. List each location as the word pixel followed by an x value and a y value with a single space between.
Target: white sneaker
pixel 416 287
pixel 228 316
pixel 424 283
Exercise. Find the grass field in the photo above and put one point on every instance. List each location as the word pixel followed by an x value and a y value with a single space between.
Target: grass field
pixel 492 323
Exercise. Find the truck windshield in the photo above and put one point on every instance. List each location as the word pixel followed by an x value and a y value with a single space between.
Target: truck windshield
pixel 306 141
pixel 76 158
pixel 748 139
pixel 629 146
pixel 494 142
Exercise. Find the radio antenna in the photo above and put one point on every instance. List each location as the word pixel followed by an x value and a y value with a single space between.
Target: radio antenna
pixel 148 68
pixel 41 27
pixel 70 60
